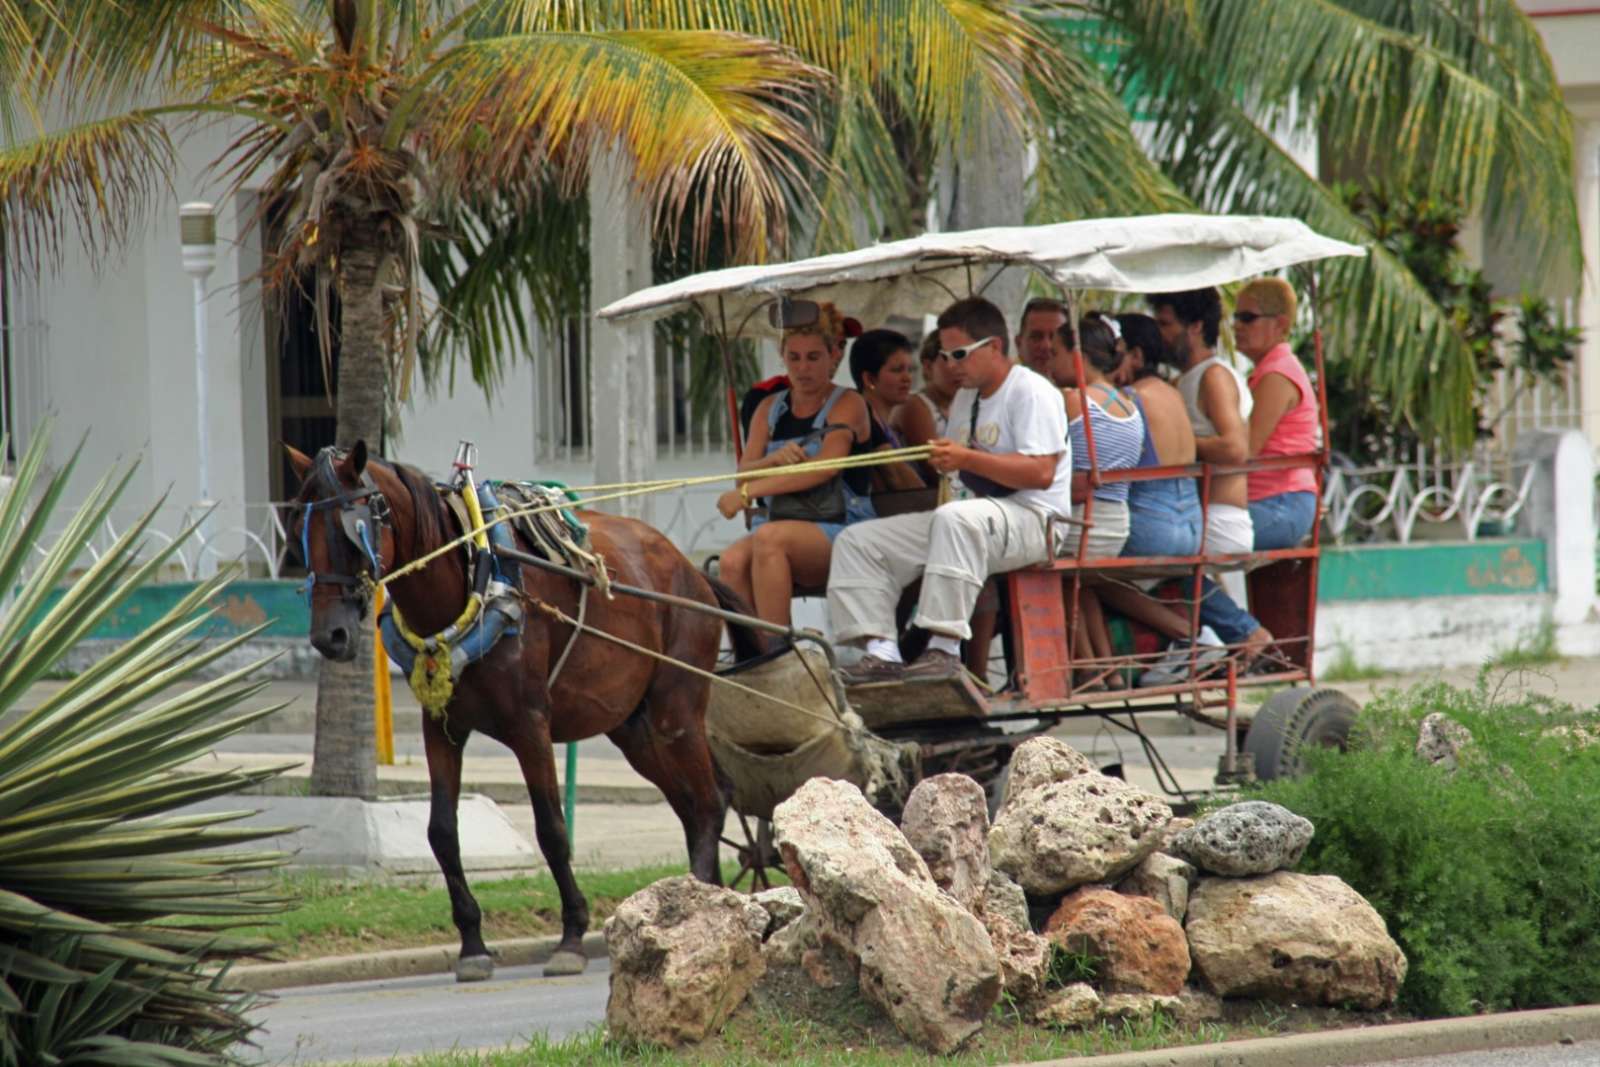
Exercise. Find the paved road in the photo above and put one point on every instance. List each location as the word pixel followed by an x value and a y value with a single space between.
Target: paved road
pixel 1583 1054
pixel 412 1016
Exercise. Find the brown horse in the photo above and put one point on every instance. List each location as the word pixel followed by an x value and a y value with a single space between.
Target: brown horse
pixel 653 711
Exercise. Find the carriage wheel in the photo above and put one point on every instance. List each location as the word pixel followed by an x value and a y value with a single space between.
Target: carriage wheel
pixel 1295 721
pixel 757 854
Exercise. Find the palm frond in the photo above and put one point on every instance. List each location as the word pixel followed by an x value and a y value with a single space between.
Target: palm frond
pixel 1090 162
pixel 1440 110
pixel 692 110
pixel 504 255
pixel 95 180
pixel 1385 322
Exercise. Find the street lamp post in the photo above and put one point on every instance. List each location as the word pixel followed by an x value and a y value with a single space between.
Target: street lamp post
pixel 197 230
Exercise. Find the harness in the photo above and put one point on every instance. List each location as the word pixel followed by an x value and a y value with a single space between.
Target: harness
pixel 355 519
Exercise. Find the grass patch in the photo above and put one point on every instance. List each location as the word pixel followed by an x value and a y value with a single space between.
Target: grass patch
pixel 859 1039
pixel 1531 650
pixel 337 917
pixel 1344 668
pixel 1257 695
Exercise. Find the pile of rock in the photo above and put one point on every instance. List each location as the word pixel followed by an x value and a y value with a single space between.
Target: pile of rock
pixel 931 920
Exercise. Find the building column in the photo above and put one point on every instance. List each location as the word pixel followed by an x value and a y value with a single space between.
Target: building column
pixel 1588 312
pixel 621 357
pixel 986 187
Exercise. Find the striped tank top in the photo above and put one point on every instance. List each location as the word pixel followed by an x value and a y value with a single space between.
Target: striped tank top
pixel 1118 443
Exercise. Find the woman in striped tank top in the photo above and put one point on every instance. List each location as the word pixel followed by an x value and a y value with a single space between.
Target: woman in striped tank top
pixel 1119 437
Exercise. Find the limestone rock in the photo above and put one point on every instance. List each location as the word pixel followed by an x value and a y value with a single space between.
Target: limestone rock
pixel 783 905
pixel 1175 826
pixel 1440 740
pixel 1164 879
pixel 1293 938
pixel 1196 1006
pixel 946 819
pixel 1024 956
pixel 786 946
pixel 1140 948
pixel 1253 837
pixel 1064 824
pixel 1005 897
pixel 920 956
pixel 1577 735
pixel 684 955
pixel 1074 1005
pixel 1136 1007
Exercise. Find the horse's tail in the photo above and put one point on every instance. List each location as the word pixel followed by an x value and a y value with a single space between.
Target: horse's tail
pixel 748 642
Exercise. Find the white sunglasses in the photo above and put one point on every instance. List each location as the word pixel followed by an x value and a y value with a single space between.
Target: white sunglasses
pixel 958 354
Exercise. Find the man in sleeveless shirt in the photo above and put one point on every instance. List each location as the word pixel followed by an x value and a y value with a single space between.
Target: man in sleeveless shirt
pixel 1010 449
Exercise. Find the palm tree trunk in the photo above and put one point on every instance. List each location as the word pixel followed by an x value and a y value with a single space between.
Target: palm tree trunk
pixel 344 761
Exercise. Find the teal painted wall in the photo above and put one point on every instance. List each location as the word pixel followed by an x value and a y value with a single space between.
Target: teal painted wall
pixel 1356 572
pixel 1508 567
pixel 242 605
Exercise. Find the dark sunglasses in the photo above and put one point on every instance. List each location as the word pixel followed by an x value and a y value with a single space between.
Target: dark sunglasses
pixel 956 355
pixel 1247 317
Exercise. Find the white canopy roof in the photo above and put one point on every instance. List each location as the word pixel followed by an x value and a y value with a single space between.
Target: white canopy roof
pixel 922 275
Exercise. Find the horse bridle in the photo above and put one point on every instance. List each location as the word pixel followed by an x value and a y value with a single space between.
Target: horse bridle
pixel 355 519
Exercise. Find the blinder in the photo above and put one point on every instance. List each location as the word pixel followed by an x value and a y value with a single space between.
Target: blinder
pixel 354 519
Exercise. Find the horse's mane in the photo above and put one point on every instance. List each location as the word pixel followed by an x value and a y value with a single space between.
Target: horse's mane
pixel 426 507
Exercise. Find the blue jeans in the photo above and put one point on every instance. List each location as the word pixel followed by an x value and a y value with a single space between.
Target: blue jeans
pixel 1281 522
pixel 1163 518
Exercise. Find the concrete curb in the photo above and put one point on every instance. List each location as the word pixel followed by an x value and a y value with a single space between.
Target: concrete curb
pixel 397 963
pixel 297 785
pixel 1341 1048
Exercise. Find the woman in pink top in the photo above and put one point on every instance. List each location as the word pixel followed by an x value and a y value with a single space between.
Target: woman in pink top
pixel 1283 422
pixel 1283 503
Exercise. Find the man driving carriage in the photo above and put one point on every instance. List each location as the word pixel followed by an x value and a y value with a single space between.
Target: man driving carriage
pixel 1011 453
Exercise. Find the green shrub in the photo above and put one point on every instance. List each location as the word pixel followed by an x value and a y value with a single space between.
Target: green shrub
pixel 1488 876
pixel 116 906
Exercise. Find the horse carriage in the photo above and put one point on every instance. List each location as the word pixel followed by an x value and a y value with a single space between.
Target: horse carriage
pixel 517 617
pixel 887 736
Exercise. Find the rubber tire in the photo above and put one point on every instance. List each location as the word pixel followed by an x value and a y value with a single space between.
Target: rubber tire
pixel 1294 721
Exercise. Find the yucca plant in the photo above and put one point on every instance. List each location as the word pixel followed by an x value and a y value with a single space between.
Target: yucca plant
pixel 115 910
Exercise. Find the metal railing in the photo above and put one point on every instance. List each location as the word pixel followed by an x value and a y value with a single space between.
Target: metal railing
pixel 1397 502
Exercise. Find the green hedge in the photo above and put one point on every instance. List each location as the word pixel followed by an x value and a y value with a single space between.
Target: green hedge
pixel 1488 876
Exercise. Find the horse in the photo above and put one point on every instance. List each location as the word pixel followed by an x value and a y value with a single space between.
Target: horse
pixel 654 711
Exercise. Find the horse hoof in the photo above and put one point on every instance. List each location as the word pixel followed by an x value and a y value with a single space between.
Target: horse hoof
pixel 474 969
pixel 565 963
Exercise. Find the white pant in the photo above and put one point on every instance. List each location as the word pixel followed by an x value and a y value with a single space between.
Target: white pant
pixel 953 548
pixel 1229 530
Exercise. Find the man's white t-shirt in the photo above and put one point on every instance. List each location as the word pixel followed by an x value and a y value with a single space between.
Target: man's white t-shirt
pixel 1025 415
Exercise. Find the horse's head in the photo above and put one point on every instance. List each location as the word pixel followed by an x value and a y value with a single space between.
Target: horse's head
pixel 342 524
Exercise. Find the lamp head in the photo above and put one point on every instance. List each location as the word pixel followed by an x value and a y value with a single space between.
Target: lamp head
pixel 197 232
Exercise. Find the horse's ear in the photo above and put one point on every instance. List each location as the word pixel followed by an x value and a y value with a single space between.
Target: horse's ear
pixel 358 458
pixel 301 462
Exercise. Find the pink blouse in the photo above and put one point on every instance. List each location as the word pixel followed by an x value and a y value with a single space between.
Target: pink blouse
pixel 1296 433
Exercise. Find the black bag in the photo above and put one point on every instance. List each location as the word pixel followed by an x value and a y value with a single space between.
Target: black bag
pixel 977 483
pixel 820 503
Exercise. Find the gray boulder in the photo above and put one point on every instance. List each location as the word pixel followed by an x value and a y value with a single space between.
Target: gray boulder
pixel 1253 837
pixel 1441 740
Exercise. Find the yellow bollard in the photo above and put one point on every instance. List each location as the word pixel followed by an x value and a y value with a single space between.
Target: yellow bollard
pixel 383 709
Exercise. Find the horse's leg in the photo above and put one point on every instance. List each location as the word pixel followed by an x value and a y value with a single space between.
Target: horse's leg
pixel 665 741
pixel 528 738
pixel 444 786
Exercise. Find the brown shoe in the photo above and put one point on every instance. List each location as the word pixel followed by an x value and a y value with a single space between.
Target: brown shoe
pixel 934 666
pixel 870 669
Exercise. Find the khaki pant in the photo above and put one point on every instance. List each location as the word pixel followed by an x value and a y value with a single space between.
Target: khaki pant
pixel 953 549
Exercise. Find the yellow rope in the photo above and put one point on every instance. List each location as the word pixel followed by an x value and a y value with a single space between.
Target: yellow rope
pixel 431 678
pixel 871 459
pixel 556 613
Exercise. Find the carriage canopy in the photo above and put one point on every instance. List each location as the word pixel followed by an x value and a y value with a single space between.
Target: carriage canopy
pixel 924 274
